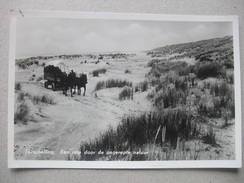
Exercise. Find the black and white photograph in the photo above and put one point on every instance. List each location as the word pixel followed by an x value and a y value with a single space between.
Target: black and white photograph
pixel 107 90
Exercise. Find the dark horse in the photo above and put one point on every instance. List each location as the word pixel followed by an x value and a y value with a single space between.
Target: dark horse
pixel 71 82
pixel 81 83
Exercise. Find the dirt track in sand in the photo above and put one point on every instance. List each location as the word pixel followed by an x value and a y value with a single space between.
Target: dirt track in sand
pixel 64 125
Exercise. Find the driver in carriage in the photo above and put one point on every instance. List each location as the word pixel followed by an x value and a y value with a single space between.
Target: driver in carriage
pixel 72 73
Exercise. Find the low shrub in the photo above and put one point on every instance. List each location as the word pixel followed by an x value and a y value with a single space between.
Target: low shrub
pixel 208 69
pixel 18 86
pixel 127 71
pixel 96 73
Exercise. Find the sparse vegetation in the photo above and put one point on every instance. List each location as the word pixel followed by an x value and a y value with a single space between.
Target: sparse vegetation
pixel 111 83
pixel 191 102
pixel 127 71
pixel 21 96
pixel 134 133
pixel 126 93
pixel 208 69
pixel 210 138
pixel 96 73
pixel 46 99
pixel 221 89
pixel 18 86
pixel 142 86
pixel 177 86
pixel 39 78
pixel 21 112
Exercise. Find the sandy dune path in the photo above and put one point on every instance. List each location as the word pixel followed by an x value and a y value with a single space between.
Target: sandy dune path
pixel 71 121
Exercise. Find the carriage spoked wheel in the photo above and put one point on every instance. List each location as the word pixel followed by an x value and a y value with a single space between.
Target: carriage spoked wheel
pixel 46 84
pixel 53 87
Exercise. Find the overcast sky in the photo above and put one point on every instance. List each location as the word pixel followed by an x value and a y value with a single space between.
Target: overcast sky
pixel 36 36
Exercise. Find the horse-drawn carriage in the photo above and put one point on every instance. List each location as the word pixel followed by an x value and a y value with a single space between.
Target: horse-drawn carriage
pixel 56 76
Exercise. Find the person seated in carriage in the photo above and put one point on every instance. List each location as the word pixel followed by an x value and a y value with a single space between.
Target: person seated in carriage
pixel 72 73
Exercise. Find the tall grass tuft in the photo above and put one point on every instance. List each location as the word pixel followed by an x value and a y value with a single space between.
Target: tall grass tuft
pixel 220 89
pixel 142 86
pixel 43 99
pixel 126 93
pixel 208 69
pixel 21 112
pixel 135 132
pixel 96 73
pixel 111 83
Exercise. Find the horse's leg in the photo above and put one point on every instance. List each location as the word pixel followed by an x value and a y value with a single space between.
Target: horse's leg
pixel 84 90
pixel 74 89
pixel 79 90
pixel 71 91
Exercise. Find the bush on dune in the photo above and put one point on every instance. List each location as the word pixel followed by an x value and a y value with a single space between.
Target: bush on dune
pixel 127 71
pixel 159 69
pixel 43 99
pixel 208 69
pixel 142 86
pixel 96 73
pixel 21 112
pixel 112 83
pixel 210 138
pixel 221 88
pixel 134 132
pixel 126 93
pixel 18 86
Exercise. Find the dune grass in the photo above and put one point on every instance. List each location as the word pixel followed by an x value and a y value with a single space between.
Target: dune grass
pixel 126 93
pixel 46 99
pixel 96 72
pixel 112 83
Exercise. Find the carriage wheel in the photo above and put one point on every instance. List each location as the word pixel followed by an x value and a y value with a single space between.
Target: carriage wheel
pixel 53 87
pixel 46 84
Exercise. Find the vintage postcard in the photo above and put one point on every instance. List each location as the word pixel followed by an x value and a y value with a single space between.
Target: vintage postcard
pixel 107 90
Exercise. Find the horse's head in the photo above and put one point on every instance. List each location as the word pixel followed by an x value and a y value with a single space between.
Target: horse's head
pixel 83 78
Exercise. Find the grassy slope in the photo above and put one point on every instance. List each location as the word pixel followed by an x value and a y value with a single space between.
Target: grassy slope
pixel 193 110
